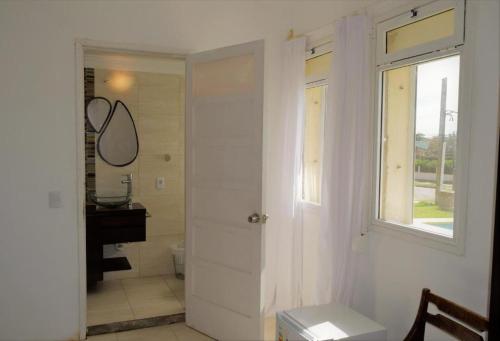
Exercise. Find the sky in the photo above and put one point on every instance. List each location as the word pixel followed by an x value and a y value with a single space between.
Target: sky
pixel 428 102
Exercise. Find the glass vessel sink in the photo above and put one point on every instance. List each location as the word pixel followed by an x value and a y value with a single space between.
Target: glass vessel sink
pixel 109 202
pixel 114 201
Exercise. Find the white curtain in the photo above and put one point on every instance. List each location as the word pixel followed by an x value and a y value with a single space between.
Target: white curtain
pixel 347 149
pixel 284 264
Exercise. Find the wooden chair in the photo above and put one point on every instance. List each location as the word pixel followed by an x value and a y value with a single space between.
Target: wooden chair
pixel 468 331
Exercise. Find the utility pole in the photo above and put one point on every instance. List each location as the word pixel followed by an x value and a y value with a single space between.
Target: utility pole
pixel 442 145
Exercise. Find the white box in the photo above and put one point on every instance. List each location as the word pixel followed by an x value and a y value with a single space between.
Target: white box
pixel 328 322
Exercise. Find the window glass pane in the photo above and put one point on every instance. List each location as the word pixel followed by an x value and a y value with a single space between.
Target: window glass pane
pixel 432 28
pixel 313 139
pixel 418 152
pixel 318 67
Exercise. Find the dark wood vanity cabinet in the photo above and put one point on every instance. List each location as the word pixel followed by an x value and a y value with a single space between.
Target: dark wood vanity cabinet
pixel 111 226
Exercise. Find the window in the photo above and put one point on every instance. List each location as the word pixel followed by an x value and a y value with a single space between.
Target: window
pixel 311 160
pixel 419 126
pixel 438 25
pixel 433 28
pixel 418 151
pixel 317 68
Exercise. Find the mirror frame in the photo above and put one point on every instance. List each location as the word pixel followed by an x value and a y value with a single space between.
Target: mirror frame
pixel 104 125
pixel 110 117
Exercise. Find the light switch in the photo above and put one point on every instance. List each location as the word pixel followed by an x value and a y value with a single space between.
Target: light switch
pixel 160 182
pixel 55 200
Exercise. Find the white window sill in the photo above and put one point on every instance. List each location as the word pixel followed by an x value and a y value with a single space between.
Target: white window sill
pixel 420 224
pixel 431 236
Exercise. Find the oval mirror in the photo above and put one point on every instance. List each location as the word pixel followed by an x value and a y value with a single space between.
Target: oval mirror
pixel 97 112
pixel 118 144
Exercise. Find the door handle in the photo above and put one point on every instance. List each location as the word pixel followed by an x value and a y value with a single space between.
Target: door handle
pixel 256 218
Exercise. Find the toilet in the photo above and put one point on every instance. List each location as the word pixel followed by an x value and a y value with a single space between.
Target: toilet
pixel 177 251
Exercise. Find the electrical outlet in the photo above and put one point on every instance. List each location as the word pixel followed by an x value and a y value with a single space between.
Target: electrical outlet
pixel 160 182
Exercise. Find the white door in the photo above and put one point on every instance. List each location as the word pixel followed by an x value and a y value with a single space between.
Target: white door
pixel 223 189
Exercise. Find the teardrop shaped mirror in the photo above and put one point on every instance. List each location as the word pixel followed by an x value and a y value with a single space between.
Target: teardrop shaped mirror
pixel 118 144
pixel 97 112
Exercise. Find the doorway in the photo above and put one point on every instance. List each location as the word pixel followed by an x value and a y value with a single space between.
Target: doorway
pixel 135 275
pixel 223 174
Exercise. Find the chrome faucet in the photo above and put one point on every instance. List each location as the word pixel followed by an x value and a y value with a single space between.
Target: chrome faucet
pixel 128 181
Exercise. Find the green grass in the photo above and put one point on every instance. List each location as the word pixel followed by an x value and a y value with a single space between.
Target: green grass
pixel 427 209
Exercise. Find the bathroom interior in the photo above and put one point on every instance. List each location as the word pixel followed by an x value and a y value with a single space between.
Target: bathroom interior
pixel 134 173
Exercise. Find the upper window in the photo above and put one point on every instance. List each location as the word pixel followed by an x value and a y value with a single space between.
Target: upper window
pixel 432 28
pixel 317 68
pixel 421 30
pixel 419 125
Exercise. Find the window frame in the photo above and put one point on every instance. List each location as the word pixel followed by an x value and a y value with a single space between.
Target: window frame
pixel 456 244
pixel 423 12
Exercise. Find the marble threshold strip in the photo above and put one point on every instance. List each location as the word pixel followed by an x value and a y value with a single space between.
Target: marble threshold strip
pixel 115 327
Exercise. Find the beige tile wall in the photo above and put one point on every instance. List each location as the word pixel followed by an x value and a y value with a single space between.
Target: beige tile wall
pixel 156 102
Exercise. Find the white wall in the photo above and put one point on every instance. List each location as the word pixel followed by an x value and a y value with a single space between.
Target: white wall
pixel 394 271
pixel 38 246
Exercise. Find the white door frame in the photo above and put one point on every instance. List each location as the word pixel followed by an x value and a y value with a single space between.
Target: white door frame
pixel 82 45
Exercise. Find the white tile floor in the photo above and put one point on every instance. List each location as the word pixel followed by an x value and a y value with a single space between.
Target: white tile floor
pixel 134 298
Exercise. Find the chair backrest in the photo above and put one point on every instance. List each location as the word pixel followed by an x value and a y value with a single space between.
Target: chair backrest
pixel 468 330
